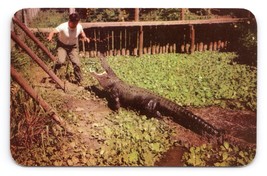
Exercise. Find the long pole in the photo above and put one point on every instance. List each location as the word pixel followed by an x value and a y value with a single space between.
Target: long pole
pixel 23 83
pixel 30 34
pixel 37 60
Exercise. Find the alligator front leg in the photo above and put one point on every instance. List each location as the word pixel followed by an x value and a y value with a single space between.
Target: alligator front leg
pixel 151 107
pixel 115 101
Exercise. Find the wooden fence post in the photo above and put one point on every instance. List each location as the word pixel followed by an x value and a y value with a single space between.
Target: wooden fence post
pixel 192 36
pixel 215 46
pixel 136 14
pixel 141 41
pixel 211 46
pixel 200 47
pixel 141 33
pixel 182 14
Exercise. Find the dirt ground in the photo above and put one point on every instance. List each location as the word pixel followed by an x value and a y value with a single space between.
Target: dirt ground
pixel 239 125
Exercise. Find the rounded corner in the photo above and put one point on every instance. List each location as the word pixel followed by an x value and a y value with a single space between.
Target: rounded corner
pixel 14 159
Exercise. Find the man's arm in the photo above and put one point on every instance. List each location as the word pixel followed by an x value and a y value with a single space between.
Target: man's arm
pixel 51 34
pixel 83 36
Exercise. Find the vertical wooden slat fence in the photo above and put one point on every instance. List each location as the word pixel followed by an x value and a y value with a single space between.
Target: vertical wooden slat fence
pixel 152 40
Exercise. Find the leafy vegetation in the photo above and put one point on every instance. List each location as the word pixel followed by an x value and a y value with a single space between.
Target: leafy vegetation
pixel 224 155
pixel 49 19
pixel 160 14
pixel 102 15
pixel 247 42
pixel 133 140
pixel 124 138
pixel 200 79
pixel 19 59
pixel 148 14
pixel 175 14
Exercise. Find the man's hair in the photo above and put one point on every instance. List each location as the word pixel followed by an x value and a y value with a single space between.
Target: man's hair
pixel 74 17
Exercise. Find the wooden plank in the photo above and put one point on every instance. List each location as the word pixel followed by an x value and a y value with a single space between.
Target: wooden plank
pixel 151 23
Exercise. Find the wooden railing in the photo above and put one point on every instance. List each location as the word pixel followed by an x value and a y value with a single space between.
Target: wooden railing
pixel 146 37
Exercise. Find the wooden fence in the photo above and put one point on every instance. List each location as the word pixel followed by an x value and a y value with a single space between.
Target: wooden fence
pixel 154 40
pixel 137 38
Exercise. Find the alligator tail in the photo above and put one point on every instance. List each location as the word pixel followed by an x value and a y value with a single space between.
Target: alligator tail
pixel 186 118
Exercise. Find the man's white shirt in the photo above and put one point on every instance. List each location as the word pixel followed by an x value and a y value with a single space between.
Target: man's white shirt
pixel 67 35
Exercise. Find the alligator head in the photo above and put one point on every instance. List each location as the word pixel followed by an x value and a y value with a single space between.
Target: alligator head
pixel 108 78
pixel 104 79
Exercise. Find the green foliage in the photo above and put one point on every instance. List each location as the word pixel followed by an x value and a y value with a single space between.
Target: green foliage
pixel 124 138
pixel 46 19
pixel 224 155
pixel 19 59
pixel 49 19
pixel 198 14
pixel 168 14
pixel 103 15
pixel 160 14
pixel 51 46
pixel 133 140
pixel 146 14
pixel 200 79
pixel 247 42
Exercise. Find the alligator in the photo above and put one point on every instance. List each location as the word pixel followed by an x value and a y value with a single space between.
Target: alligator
pixel 145 101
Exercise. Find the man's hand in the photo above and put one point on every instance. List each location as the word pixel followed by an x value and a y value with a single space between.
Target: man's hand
pixel 51 34
pixel 49 38
pixel 86 39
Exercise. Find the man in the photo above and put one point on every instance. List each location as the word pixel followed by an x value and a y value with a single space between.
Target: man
pixel 68 34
